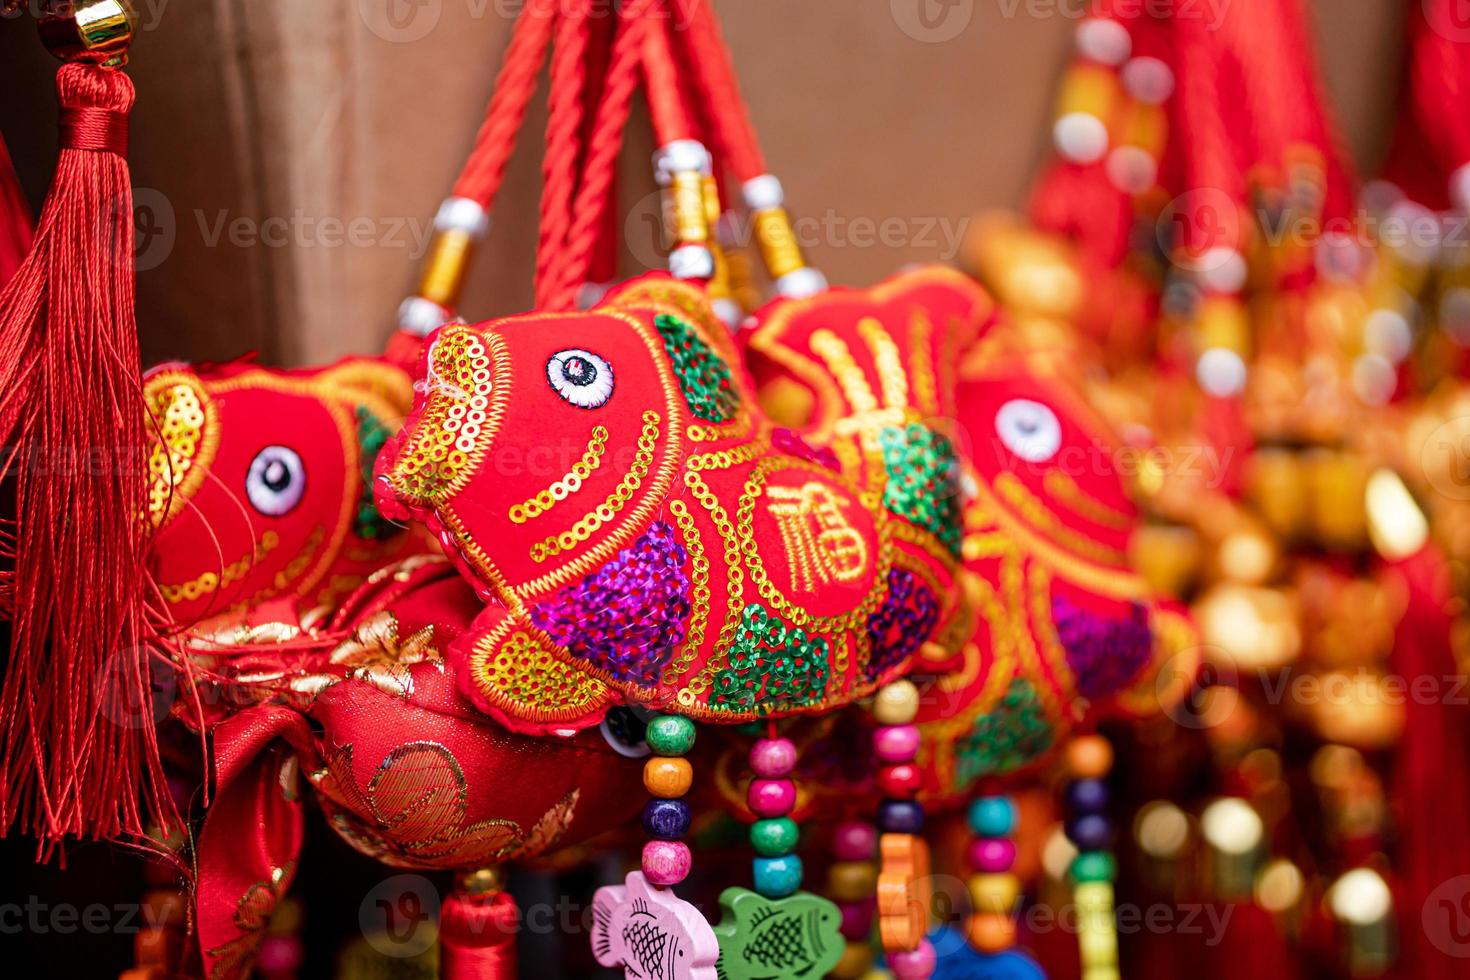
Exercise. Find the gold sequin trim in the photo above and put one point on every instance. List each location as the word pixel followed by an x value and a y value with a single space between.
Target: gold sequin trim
pixel 921 364
pixel 616 500
pixel 735 589
pixel 207 583
pixel 699 592
pixel 1010 488
pixel 184 424
pixel 534 506
pixel 1066 490
pixel 519 669
pixel 458 421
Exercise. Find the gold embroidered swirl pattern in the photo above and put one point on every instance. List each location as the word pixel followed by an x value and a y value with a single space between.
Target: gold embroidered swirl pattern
pixel 533 507
pixel 1009 486
pixel 615 502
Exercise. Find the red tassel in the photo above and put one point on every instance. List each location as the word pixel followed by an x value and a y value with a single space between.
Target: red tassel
pixel 78 752
pixel 477 936
pixel 15 220
pixel 1431 795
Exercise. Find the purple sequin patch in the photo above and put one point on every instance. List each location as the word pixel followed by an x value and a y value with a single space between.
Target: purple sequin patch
pixel 901 625
pixel 1105 654
pixel 629 615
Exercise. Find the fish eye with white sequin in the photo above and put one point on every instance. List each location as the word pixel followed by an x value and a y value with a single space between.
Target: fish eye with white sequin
pixel 580 377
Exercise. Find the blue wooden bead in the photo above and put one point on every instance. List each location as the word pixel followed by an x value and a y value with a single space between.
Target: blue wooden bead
pixel 900 817
pixel 666 819
pixel 993 816
pixel 1087 796
pixel 777 877
pixel 1090 832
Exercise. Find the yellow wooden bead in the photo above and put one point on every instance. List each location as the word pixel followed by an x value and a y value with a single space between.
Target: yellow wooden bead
pixel 1089 757
pixel 896 704
pixel 852 881
pixel 995 893
pixel 857 960
pixel 992 932
pixel 667 778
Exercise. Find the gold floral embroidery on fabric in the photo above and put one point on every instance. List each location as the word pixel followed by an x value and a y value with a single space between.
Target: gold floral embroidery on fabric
pixel 616 500
pixel 888 361
pixel 184 425
pixel 460 416
pixel 534 506
pixel 840 362
pixel 822 547
pixel 413 812
pixel 235 959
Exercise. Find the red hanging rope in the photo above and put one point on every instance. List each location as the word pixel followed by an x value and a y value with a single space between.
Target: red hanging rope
pixel 563 139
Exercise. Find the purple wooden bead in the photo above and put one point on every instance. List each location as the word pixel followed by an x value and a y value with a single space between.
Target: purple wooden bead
pixel 900 817
pixel 896 743
pixel 771 797
pixel 992 855
pixel 772 757
pixel 1090 832
pixel 855 841
pixel 666 862
pixel 916 965
pixel 666 819
pixel 1087 796
pixel 857 920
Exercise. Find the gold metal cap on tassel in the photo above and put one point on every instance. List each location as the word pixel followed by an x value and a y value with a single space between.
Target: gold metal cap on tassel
pixel 99 31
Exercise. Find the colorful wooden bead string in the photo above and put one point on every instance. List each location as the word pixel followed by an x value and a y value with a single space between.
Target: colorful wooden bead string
pixel 994 888
pixel 1089 758
pixel 851 882
pixel 667 776
pixel 776 929
pixel 641 925
pixel 903 880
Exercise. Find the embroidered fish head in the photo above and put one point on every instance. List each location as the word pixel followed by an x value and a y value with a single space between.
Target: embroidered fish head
pixel 1045 466
pixel 540 445
pixel 258 480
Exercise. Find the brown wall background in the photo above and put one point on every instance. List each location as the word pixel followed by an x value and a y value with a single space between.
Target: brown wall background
pixel 358 113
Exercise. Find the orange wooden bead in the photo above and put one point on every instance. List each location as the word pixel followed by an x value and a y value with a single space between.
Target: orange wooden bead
pixel 991 932
pixel 667 778
pixel 1089 757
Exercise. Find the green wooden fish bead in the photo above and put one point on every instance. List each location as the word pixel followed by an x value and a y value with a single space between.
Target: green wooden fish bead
pixel 763 938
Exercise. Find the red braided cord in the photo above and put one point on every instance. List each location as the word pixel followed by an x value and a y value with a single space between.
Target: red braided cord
pixel 714 70
pixel 1440 77
pixel 600 169
pixel 563 138
pixel 662 84
pixel 484 172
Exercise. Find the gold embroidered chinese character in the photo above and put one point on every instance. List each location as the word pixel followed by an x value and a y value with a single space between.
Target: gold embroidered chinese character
pixel 822 546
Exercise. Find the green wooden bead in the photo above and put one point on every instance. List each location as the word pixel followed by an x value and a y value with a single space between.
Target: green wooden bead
pixel 1094 866
pixel 670 735
pixel 774 838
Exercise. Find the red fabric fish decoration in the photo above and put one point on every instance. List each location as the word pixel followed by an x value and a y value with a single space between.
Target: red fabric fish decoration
pixel 643 533
pixel 260 482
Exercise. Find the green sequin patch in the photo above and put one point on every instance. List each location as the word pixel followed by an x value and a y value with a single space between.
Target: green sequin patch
pixel 371 435
pixel 1014 732
pixel 703 376
pixel 771 666
pixel 922 480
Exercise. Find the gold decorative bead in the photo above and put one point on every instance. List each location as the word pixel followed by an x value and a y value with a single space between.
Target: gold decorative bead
pixel 666 777
pixel 991 932
pixel 852 881
pixel 1089 757
pixel 994 893
pixel 482 881
pixel 896 704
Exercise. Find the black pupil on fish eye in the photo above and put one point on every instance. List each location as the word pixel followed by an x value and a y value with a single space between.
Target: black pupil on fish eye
pixel 578 370
pixel 277 475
